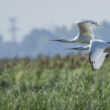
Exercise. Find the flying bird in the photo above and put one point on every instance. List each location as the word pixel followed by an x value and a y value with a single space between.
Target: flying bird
pixel 98 49
pixel 85 32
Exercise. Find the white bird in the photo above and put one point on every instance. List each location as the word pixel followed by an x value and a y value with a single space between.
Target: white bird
pixel 85 32
pixel 98 49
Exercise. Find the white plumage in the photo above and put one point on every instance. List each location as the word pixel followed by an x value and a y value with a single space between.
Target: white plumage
pixel 98 49
pixel 85 32
pixel 97 54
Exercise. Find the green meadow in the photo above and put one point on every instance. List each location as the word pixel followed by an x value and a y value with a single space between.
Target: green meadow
pixel 56 83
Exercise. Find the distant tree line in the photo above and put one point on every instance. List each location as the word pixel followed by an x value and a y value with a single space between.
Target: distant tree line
pixel 37 41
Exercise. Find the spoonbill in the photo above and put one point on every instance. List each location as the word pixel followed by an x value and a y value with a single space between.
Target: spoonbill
pixel 85 32
pixel 98 49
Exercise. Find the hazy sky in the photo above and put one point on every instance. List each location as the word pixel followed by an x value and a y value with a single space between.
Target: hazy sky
pixel 47 13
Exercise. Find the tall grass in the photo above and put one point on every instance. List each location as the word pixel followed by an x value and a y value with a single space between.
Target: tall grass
pixel 57 83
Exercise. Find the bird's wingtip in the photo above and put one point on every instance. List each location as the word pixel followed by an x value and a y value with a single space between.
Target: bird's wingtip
pixel 88 21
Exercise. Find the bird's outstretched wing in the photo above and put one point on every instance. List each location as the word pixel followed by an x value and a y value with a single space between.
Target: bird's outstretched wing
pixel 97 54
pixel 85 28
pixel 96 65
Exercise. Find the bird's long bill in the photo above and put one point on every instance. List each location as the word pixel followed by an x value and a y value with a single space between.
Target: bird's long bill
pixel 79 48
pixel 71 49
pixel 56 40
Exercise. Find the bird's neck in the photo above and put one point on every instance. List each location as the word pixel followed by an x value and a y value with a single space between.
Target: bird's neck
pixel 75 40
pixel 69 41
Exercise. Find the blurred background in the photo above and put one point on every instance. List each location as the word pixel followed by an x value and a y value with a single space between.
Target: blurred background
pixel 26 26
pixel 36 74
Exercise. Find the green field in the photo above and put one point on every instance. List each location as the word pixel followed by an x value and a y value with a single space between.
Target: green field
pixel 57 83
